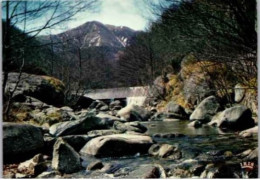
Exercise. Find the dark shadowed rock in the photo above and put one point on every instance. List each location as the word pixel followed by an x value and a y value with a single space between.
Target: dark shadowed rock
pixel 195 124
pixel 95 165
pixel 65 158
pixel 93 105
pixel 77 141
pixel 21 140
pixel 117 145
pixel 82 102
pixel 237 118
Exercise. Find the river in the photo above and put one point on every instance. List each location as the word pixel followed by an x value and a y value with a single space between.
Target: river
pixel 204 142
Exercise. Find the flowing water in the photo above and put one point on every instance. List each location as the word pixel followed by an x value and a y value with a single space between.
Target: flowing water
pixel 202 141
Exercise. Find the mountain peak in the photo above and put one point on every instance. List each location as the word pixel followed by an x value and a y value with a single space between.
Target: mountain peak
pixel 94 34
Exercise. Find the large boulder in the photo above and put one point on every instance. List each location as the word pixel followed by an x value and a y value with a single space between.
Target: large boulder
pixel 117 145
pixel 237 118
pixel 82 126
pixel 47 89
pixel 133 113
pixel 82 102
pixel 130 126
pixel 206 109
pixel 21 140
pixel 174 108
pixel 65 158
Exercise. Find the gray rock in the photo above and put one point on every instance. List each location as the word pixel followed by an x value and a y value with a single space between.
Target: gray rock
pixel 52 115
pixel 158 89
pixel 237 118
pixel 105 132
pixel 252 156
pixel 165 151
pixel 114 104
pixel 172 107
pixel 117 145
pixel 206 110
pixel 65 158
pixel 101 104
pixel 104 108
pixel 239 93
pixel 249 132
pixel 133 113
pixel 33 167
pixel 108 118
pixel 20 140
pixel 195 89
pixel 78 127
pixel 93 105
pixel 130 126
pixel 147 171
pixel 77 141
pixel 158 117
pixel 47 89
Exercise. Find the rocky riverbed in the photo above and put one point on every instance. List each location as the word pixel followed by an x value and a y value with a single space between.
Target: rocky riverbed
pixel 100 140
pixel 166 149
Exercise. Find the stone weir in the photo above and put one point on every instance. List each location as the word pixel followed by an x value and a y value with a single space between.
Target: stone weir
pixel 130 95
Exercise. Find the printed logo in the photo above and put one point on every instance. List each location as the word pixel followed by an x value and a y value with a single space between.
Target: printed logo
pixel 247 168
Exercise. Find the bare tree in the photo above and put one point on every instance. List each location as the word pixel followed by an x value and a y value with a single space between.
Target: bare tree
pixel 50 13
pixel 30 14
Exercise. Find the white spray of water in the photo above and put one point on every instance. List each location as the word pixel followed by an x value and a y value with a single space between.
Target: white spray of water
pixel 136 100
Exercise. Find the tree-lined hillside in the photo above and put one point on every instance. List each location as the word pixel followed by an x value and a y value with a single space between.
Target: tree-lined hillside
pixel 216 33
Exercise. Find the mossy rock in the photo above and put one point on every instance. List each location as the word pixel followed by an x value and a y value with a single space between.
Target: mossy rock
pixel 47 89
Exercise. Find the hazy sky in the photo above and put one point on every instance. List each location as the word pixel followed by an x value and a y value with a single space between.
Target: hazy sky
pixel 118 12
pixel 131 13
